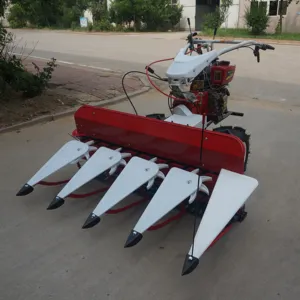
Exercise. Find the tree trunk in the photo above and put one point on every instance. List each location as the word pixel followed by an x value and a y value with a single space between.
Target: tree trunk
pixel 280 16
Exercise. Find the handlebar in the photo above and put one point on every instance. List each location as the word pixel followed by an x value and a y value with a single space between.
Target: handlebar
pixel 266 47
pixel 236 44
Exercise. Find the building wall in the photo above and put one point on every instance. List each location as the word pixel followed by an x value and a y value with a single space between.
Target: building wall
pixel 189 11
pixel 233 15
pixel 201 10
pixel 196 13
pixel 291 22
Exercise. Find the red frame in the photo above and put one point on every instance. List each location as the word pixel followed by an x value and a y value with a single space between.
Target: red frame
pixel 161 139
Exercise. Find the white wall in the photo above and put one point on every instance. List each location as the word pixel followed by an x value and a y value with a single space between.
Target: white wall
pixel 88 14
pixel 189 11
pixel 233 15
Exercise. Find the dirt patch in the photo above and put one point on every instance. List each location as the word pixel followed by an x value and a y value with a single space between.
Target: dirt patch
pixel 69 87
pixel 15 109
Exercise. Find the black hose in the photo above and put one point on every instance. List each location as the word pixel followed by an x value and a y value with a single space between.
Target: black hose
pixel 144 73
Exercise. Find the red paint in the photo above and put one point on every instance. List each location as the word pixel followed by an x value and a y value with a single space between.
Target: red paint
pixel 119 210
pixel 221 74
pixel 222 233
pixel 163 139
pixel 80 196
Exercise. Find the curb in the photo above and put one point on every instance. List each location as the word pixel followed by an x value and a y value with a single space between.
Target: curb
pixel 53 117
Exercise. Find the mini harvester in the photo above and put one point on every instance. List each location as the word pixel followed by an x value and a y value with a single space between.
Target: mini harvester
pixel 176 161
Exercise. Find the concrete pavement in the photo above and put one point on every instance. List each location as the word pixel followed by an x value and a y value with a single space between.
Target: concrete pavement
pixel 46 254
pixel 275 78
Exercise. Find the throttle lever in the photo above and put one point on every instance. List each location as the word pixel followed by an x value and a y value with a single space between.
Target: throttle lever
pixel 256 53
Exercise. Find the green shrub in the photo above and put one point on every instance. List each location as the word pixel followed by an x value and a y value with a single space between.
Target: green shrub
pixel 256 17
pixel 103 25
pixel 16 16
pixel 13 73
pixel 74 25
pixel 90 26
pixel 153 14
pixel 218 17
pixel 120 28
pixel 211 21
pixel 69 15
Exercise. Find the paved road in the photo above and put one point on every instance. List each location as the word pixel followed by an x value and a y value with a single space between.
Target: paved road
pixel 276 78
pixel 46 255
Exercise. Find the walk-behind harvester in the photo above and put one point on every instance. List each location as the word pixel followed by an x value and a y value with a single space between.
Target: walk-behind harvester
pixel 181 164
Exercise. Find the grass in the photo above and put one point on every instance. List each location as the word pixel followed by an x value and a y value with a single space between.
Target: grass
pixel 244 33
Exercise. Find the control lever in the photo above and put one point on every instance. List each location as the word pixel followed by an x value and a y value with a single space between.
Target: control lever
pixel 256 53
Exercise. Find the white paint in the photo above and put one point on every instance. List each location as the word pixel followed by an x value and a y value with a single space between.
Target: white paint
pixel 182 110
pixel 230 193
pixel 177 186
pixel 67 154
pixel 194 120
pixel 182 115
pixel 137 172
pixel 233 16
pixel 65 62
pixel 102 160
pixel 185 66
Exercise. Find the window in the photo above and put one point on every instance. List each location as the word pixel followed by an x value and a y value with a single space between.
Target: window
pixel 206 2
pixel 275 7
pixel 258 5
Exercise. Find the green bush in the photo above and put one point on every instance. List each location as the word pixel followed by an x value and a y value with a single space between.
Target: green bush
pixel 256 17
pixel 69 16
pixel 154 14
pixel 17 16
pixel 160 15
pixel 90 26
pixel 218 17
pixel 103 25
pixel 211 21
pixel 13 74
pixel 74 25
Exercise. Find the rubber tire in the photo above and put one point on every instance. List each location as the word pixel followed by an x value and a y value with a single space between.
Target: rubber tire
pixel 240 133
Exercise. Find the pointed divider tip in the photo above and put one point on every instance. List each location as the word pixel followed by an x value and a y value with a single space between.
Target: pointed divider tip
pixel 91 221
pixel 25 190
pixel 190 264
pixel 56 203
pixel 133 239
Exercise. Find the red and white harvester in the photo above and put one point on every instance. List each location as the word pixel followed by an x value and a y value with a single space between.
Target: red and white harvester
pixel 176 161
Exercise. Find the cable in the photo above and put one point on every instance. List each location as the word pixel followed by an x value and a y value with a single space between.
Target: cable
pixel 199 175
pixel 156 87
pixel 123 86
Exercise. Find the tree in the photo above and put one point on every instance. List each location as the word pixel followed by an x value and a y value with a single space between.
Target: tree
pixel 127 11
pixel 48 13
pixel 3 4
pixel 155 14
pixel 256 17
pixel 99 10
pixel 219 16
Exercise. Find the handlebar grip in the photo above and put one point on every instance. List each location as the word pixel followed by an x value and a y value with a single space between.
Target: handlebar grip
pixel 266 47
pixel 238 114
pixel 270 47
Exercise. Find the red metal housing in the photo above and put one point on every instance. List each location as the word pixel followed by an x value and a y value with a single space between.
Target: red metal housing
pixel 222 74
pixel 161 139
pixel 200 106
